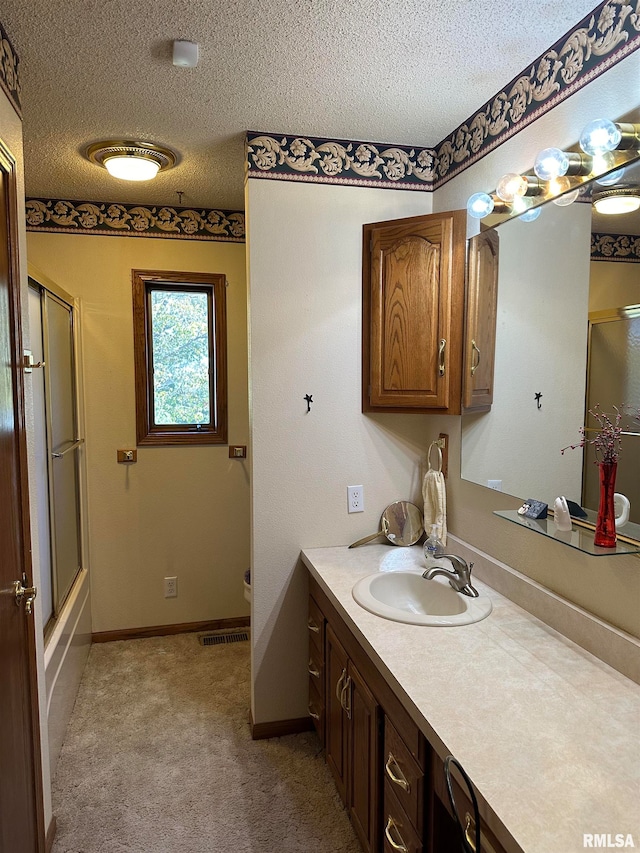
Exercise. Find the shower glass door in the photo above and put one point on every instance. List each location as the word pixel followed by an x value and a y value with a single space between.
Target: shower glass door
pixel 55 398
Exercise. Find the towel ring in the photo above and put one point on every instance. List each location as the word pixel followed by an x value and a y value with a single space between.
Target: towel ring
pixel 431 446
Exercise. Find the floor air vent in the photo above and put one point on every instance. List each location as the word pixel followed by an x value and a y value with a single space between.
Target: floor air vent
pixel 216 638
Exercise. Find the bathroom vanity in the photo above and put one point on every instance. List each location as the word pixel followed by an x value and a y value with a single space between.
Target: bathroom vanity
pixel 546 731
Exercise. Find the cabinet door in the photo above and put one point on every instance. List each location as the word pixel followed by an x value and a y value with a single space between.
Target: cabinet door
pixel 480 322
pixel 413 295
pixel 336 665
pixel 364 778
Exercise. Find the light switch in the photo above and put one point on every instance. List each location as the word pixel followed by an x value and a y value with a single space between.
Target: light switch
pixel 237 451
pixel 127 456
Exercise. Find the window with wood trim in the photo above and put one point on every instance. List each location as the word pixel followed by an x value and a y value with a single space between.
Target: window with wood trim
pixel 180 350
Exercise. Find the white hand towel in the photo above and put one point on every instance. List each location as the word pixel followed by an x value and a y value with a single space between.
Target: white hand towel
pixel 435 503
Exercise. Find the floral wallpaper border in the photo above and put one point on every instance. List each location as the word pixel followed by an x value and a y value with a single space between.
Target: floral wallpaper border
pixel 623 248
pixel 595 44
pixel 10 71
pixel 134 220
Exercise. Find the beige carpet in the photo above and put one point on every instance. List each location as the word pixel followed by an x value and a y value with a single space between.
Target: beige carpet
pixel 158 758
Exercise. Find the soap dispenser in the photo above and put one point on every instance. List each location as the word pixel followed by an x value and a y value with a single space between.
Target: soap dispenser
pixel 433 547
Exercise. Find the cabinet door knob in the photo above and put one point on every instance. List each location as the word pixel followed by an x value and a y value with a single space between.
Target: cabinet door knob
pixel 396 775
pixel 400 846
pixel 441 350
pixel 313 627
pixel 312 713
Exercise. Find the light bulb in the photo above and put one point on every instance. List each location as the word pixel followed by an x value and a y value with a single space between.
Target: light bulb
pixel 479 205
pixel 566 199
pixel 599 136
pixel 532 214
pixel 510 186
pixel 551 163
pixel 131 168
pixel 559 185
pixel 611 178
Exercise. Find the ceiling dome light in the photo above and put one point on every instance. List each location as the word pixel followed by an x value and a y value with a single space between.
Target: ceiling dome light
pixel 131 167
pixel 599 136
pixel 131 161
pixel 480 205
pixel 620 199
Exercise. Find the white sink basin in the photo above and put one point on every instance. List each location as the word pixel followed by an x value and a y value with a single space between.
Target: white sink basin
pixel 408 597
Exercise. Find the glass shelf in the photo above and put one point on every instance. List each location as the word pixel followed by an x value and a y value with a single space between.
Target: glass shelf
pixel 580 538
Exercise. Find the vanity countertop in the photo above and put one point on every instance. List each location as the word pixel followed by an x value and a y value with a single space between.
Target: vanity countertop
pixel 549 734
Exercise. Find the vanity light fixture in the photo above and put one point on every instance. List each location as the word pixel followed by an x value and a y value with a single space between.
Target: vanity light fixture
pixel 480 205
pixel 623 198
pixel 602 135
pixel 131 161
pixel 553 163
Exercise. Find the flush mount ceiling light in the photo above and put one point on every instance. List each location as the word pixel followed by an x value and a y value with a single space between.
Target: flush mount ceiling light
pixel 624 198
pixel 129 160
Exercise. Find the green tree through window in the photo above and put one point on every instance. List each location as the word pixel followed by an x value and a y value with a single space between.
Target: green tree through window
pixel 180 357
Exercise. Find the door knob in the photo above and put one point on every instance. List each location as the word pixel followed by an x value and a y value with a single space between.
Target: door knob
pixel 21 591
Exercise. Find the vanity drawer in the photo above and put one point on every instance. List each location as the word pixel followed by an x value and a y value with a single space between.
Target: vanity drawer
pixel 316 709
pixel 316 669
pixel 315 624
pixel 404 775
pixel 397 830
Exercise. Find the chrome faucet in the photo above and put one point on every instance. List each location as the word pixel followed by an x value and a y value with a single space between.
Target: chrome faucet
pixel 459 578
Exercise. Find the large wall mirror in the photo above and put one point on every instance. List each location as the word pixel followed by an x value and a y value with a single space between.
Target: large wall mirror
pixel 567 337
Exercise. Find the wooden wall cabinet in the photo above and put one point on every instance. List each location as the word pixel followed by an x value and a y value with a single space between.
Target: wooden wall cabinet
pixel 414 339
pixel 386 773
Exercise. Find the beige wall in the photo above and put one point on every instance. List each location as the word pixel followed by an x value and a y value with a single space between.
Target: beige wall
pixel 613 284
pixel 180 511
pixel 305 260
pixel 304 254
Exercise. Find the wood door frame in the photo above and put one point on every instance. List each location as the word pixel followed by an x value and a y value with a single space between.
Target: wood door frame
pixel 8 166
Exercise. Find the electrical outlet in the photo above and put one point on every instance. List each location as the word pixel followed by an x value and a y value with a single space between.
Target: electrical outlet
pixel 171 587
pixel 495 484
pixel 355 499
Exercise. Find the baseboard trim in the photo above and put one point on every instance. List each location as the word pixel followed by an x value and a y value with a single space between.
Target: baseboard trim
pixel 279 728
pixel 165 630
pixel 51 835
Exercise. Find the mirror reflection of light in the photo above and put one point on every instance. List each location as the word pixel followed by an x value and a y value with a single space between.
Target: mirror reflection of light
pixel 611 178
pixel 531 215
pixel 566 199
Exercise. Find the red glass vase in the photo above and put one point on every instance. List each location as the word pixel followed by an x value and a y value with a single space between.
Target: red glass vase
pixel 606 522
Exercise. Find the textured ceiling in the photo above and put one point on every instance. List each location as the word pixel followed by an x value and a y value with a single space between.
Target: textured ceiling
pixel 400 71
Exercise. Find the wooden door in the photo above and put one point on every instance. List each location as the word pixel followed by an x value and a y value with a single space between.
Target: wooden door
pixel 364 761
pixel 413 299
pixel 336 665
pixel 21 813
pixel 480 322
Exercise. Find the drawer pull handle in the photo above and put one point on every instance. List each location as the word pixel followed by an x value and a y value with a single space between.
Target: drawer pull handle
pixel 345 697
pixel 470 835
pixel 397 845
pixel 398 776
pixel 312 713
pixel 474 350
pixel 441 348
pixel 339 686
pixel 313 670
pixel 313 627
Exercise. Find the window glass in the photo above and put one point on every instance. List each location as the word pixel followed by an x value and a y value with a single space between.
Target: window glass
pixel 181 363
